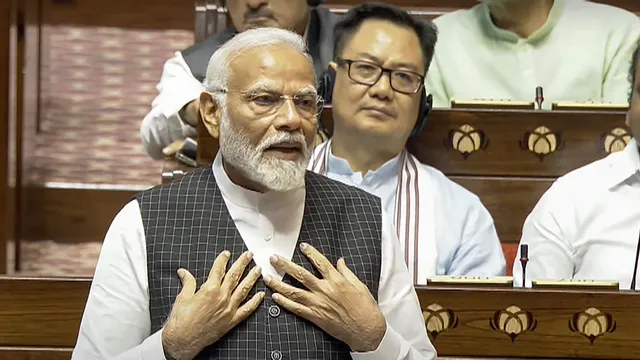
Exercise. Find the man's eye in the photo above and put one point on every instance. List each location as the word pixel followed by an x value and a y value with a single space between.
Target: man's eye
pixel 264 100
pixel 306 102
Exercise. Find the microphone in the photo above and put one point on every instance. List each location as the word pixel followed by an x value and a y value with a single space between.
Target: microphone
pixel 539 97
pixel 524 259
pixel 635 266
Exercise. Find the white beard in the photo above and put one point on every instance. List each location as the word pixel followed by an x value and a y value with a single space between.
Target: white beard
pixel 272 173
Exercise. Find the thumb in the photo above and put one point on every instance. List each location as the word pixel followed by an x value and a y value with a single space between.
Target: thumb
pixel 188 283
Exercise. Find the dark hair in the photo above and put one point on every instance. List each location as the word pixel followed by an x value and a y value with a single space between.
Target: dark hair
pixel 349 24
pixel 632 70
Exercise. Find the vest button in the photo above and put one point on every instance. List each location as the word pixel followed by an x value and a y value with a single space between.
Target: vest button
pixel 276 355
pixel 274 311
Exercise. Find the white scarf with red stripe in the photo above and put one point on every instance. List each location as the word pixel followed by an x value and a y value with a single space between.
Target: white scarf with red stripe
pixel 414 212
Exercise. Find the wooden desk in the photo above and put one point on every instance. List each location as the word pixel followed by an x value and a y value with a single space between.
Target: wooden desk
pixel 39 319
pixel 538 323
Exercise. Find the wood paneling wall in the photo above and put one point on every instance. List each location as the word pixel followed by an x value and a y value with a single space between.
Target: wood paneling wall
pixel 5 21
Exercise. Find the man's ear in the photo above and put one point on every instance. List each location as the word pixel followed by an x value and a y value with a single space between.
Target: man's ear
pixel 332 66
pixel 210 113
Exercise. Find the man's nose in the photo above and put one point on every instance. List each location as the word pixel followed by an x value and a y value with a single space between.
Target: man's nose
pixel 382 88
pixel 288 117
pixel 255 4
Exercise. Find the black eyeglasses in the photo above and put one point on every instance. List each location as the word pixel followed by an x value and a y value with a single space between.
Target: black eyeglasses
pixel 368 73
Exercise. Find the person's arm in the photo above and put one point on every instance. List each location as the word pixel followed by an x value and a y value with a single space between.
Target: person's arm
pixel 406 335
pixel 116 323
pixel 480 252
pixel 163 124
pixel 620 45
pixel 547 232
pixel 434 85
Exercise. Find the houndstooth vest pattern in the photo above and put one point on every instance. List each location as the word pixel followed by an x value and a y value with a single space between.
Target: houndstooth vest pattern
pixel 187 225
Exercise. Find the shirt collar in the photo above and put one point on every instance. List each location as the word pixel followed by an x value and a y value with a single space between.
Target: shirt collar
pixel 251 199
pixel 495 32
pixel 340 166
pixel 625 165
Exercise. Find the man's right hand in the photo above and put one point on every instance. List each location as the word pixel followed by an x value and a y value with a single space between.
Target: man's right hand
pixel 199 319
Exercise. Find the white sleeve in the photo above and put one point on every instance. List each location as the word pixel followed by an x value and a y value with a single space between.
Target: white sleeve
pixel 620 45
pixel 406 337
pixel 116 323
pixel 548 233
pixel 162 125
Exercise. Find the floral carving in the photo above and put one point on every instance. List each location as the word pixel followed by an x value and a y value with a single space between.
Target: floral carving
pixel 437 320
pixel 616 140
pixel 592 324
pixel 467 140
pixel 513 321
pixel 541 141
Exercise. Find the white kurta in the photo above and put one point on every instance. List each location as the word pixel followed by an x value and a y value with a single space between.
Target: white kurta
pixel 116 323
pixel 582 53
pixel 586 226
pixel 456 233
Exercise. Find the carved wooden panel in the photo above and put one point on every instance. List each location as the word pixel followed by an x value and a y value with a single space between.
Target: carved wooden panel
pixel 509 200
pixel 532 323
pixel 514 142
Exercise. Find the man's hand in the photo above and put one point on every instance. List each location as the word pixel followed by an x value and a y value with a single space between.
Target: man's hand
pixel 339 304
pixel 199 319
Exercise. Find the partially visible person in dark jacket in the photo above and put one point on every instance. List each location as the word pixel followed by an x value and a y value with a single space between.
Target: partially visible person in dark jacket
pixel 173 114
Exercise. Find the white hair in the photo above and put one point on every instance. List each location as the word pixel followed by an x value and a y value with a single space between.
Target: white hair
pixel 236 148
pixel 217 75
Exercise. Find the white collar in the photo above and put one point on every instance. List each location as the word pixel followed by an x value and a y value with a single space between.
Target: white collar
pixel 625 164
pixel 340 166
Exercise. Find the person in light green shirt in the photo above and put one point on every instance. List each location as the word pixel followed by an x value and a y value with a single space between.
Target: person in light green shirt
pixel 575 50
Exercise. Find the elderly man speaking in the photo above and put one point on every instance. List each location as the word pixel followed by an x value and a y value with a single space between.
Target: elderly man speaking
pixel 315 268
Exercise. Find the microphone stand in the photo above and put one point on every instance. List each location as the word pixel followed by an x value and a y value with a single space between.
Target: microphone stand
pixel 539 97
pixel 635 266
pixel 524 259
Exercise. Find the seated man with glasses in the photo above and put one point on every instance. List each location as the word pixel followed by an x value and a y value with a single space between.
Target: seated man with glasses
pixel 376 88
pixel 272 261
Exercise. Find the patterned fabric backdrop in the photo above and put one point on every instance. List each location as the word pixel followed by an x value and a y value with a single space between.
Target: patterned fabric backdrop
pixel 98 84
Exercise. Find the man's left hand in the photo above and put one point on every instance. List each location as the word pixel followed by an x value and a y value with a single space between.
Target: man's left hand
pixel 339 303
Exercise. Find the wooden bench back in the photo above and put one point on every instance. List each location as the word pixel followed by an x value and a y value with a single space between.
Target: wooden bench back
pixel 40 317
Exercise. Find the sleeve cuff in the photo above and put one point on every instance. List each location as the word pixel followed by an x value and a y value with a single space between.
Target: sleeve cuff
pixel 388 349
pixel 151 347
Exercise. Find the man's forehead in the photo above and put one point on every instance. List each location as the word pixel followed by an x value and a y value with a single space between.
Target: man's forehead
pixel 272 66
pixel 384 41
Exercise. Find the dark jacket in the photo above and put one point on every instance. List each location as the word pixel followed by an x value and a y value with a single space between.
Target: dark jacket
pixel 319 38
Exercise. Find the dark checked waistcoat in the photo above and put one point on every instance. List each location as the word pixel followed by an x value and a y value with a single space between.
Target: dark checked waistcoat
pixel 187 225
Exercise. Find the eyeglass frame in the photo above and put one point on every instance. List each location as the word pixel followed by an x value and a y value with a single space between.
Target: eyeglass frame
pixel 349 62
pixel 319 100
